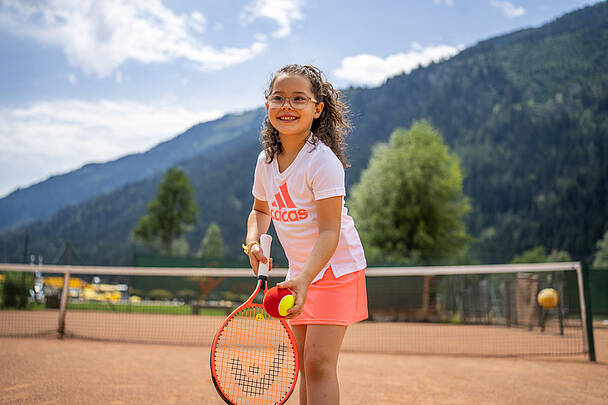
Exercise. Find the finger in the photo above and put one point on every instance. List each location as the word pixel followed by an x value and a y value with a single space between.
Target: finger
pixel 293 315
pixel 258 253
pixel 285 284
pixel 299 305
pixel 294 312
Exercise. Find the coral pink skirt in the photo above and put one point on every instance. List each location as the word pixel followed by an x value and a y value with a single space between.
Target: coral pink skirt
pixel 335 301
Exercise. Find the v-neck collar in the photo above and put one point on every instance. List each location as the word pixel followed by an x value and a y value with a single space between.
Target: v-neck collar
pixel 292 164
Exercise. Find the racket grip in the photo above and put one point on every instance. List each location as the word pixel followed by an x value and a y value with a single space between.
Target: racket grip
pixel 265 241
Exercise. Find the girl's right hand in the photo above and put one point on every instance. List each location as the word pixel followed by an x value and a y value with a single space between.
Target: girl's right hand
pixel 255 257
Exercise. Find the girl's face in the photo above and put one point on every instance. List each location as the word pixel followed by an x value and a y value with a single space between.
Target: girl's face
pixel 294 116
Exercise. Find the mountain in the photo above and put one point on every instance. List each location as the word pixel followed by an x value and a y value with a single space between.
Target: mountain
pixel 42 200
pixel 99 229
pixel 526 112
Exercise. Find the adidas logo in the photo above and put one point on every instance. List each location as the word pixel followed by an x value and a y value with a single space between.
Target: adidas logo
pixel 284 210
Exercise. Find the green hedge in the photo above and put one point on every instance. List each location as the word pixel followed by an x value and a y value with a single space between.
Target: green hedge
pixel 16 290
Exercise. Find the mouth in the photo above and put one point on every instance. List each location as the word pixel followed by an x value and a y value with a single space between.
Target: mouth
pixel 287 118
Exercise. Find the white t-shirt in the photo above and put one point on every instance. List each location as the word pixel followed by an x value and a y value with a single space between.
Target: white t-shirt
pixel 315 174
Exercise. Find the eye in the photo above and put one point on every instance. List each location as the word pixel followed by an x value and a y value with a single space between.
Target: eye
pixel 275 99
pixel 300 99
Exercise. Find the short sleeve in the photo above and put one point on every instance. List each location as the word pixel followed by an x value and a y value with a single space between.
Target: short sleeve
pixel 259 190
pixel 326 175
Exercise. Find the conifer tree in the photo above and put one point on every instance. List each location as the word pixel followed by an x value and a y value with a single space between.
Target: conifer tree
pixel 170 214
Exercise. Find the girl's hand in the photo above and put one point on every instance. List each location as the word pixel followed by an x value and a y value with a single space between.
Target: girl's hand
pixel 255 257
pixel 299 286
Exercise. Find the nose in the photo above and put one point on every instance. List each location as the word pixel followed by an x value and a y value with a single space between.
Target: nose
pixel 286 103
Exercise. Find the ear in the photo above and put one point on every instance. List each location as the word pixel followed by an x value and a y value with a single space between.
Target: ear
pixel 318 109
pixel 266 104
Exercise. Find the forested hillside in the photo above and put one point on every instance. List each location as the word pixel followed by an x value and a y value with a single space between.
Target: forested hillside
pixel 526 112
pixel 528 115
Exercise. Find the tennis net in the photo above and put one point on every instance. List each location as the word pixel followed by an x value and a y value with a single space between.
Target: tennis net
pixel 485 310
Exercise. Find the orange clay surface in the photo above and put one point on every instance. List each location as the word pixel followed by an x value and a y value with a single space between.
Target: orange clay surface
pixel 74 371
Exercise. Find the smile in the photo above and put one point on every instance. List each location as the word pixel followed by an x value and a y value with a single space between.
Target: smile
pixel 288 118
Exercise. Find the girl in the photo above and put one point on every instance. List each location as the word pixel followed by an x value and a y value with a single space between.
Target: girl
pixel 299 184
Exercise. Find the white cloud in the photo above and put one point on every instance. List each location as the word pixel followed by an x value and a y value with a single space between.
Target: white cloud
pixel 98 36
pixel 54 137
pixel 197 22
pixel 508 9
pixel 373 70
pixel 283 12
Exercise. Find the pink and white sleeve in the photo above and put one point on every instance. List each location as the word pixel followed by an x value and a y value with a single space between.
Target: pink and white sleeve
pixel 258 190
pixel 327 176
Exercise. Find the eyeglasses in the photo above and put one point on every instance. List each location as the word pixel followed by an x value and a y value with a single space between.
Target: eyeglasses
pixel 297 102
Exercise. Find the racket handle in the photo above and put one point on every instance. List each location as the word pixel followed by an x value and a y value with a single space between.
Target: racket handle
pixel 265 241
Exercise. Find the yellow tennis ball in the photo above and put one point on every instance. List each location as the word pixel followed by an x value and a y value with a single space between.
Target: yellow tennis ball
pixel 286 302
pixel 548 298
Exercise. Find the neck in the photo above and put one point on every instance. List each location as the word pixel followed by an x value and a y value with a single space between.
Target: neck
pixel 292 144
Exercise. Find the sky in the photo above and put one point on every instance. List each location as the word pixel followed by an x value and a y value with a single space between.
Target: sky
pixel 89 81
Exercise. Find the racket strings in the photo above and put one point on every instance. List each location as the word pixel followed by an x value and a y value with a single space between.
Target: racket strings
pixel 255 359
pixel 257 386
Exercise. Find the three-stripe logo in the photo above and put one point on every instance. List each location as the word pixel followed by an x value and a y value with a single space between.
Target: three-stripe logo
pixel 283 208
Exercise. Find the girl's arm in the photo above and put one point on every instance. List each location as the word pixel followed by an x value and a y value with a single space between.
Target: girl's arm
pixel 329 212
pixel 257 224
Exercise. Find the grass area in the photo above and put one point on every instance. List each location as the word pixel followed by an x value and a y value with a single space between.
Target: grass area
pixel 108 306
pixel 135 308
pixel 37 306
pixel 142 308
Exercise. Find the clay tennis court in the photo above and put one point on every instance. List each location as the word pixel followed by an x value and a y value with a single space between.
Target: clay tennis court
pixel 46 370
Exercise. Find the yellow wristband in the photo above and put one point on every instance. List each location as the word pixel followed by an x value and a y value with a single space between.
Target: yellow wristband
pixel 248 246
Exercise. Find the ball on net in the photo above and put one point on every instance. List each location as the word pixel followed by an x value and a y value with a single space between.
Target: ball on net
pixel 277 301
pixel 548 298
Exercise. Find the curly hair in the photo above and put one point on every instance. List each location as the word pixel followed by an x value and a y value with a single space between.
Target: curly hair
pixel 330 127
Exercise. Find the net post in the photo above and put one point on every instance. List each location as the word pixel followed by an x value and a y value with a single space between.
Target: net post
pixel 586 314
pixel 63 305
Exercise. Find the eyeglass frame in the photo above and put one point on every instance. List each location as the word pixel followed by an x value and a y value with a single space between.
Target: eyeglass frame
pixel 289 98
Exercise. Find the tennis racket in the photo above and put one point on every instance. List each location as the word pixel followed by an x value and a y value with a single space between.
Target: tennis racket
pixel 254 359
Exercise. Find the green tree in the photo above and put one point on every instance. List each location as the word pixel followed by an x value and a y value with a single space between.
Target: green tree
pixel 212 244
pixel 539 255
pixel 559 256
pixel 180 247
pixel 409 205
pixel 534 255
pixel 600 260
pixel 170 214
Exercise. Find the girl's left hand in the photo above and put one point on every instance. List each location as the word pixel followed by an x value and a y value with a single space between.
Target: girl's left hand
pixel 299 286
